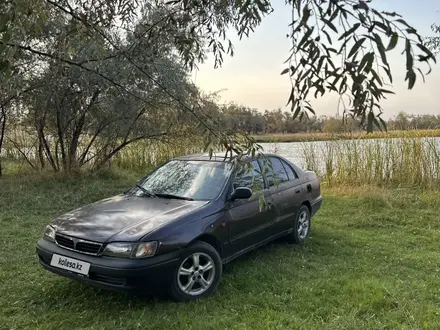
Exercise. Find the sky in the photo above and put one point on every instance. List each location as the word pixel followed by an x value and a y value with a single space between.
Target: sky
pixel 252 76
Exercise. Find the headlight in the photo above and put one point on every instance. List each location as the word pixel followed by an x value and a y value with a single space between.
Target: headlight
pixel 130 250
pixel 118 250
pixel 49 234
pixel 144 250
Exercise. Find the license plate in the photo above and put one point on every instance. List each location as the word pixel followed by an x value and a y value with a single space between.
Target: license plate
pixel 73 265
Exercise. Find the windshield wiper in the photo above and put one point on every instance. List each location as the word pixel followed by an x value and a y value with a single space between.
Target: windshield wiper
pixel 145 191
pixel 171 196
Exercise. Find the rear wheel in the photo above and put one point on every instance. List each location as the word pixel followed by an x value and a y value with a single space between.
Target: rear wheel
pixel 301 226
pixel 198 273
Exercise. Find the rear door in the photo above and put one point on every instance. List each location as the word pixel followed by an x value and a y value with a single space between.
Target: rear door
pixel 286 192
pixel 247 224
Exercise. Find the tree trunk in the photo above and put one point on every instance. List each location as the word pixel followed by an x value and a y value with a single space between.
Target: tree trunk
pixel 46 145
pixel 60 132
pixel 41 152
pixel 2 134
pixel 73 148
pixel 110 155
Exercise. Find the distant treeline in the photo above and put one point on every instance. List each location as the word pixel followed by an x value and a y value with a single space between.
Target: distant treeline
pixel 242 118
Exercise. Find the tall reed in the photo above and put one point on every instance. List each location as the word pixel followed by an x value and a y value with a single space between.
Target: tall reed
pixel 145 155
pixel 403 161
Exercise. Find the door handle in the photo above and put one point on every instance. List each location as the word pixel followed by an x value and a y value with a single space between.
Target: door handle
pixel 297 191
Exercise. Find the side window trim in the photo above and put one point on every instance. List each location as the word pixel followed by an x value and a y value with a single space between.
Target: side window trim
pixel 265 179
pixel 254 161
pixel 260 169
pixel 283 169
pixel 285 164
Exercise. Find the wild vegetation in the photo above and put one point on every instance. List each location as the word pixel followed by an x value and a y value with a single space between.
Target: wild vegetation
pixel 85 79
pixel 324 136
pixel 381 162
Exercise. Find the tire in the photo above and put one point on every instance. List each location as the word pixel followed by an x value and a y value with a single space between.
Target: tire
pixel 299 234
pixel 199 282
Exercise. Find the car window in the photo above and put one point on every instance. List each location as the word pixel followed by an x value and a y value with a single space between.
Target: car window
pixel 290 172
pixel 278 170
pixel 250 178
pixel 200 180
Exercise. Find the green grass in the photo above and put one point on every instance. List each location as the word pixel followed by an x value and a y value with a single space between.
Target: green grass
pixel 304 137
pixel 372 262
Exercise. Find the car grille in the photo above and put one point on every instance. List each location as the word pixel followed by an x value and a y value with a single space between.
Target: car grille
pixel 77 244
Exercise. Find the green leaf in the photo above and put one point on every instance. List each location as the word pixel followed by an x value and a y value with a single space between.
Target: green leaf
pixel 384 124
pixel 330 24
pixel 381 48
pixel 321 61
pixel 310 109
pixel 421 73
pixel 393 14
pixel 305 37
pixel 376 123
pixel 350 31
pixel 290 97
pixel 367 61
pixel 328 37
pixel 393 41
pixel 356 47
pixel 409 57
pixel 382 26
pixel 404 23
pixel 343 85
pixel 427 51
pixel 376 77
pixel 388 72
pixel 306 15
pixel 343 45
pixel 296 113
pixel 411 77
pixel 385 91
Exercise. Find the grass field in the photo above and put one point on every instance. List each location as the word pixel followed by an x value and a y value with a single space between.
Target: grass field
pixel 372 262
pixel 304 137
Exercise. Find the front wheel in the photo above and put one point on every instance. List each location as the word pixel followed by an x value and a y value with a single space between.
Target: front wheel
pixel 301 226
pixel 198 273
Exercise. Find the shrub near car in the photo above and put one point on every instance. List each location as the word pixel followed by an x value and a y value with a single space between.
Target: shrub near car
pixel 177 226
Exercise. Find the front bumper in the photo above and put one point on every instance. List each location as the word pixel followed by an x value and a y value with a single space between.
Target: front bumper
pixel 119 274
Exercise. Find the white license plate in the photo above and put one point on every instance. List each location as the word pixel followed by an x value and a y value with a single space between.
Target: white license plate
pixel 73 265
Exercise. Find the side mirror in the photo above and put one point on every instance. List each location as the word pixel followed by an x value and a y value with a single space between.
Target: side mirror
pixel 241 193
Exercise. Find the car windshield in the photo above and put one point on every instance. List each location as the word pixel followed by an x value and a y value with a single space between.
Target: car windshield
pixel 197 180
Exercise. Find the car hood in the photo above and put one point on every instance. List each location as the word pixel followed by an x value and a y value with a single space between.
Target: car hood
pixel 122 217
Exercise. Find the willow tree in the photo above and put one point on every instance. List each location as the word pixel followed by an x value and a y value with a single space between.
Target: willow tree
pixel 338 46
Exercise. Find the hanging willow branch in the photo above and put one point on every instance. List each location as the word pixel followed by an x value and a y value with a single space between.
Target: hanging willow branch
pixel 360 37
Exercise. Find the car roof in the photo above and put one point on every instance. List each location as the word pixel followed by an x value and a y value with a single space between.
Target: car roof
pixel 216 157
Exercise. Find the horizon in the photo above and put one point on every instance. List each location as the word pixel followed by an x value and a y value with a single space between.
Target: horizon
pixel 252 76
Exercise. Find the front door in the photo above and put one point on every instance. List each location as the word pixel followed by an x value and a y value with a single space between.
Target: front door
pixel 248 225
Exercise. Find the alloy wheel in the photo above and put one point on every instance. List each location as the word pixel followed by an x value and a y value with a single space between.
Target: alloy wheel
pixel 196 274
pixel 303 225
